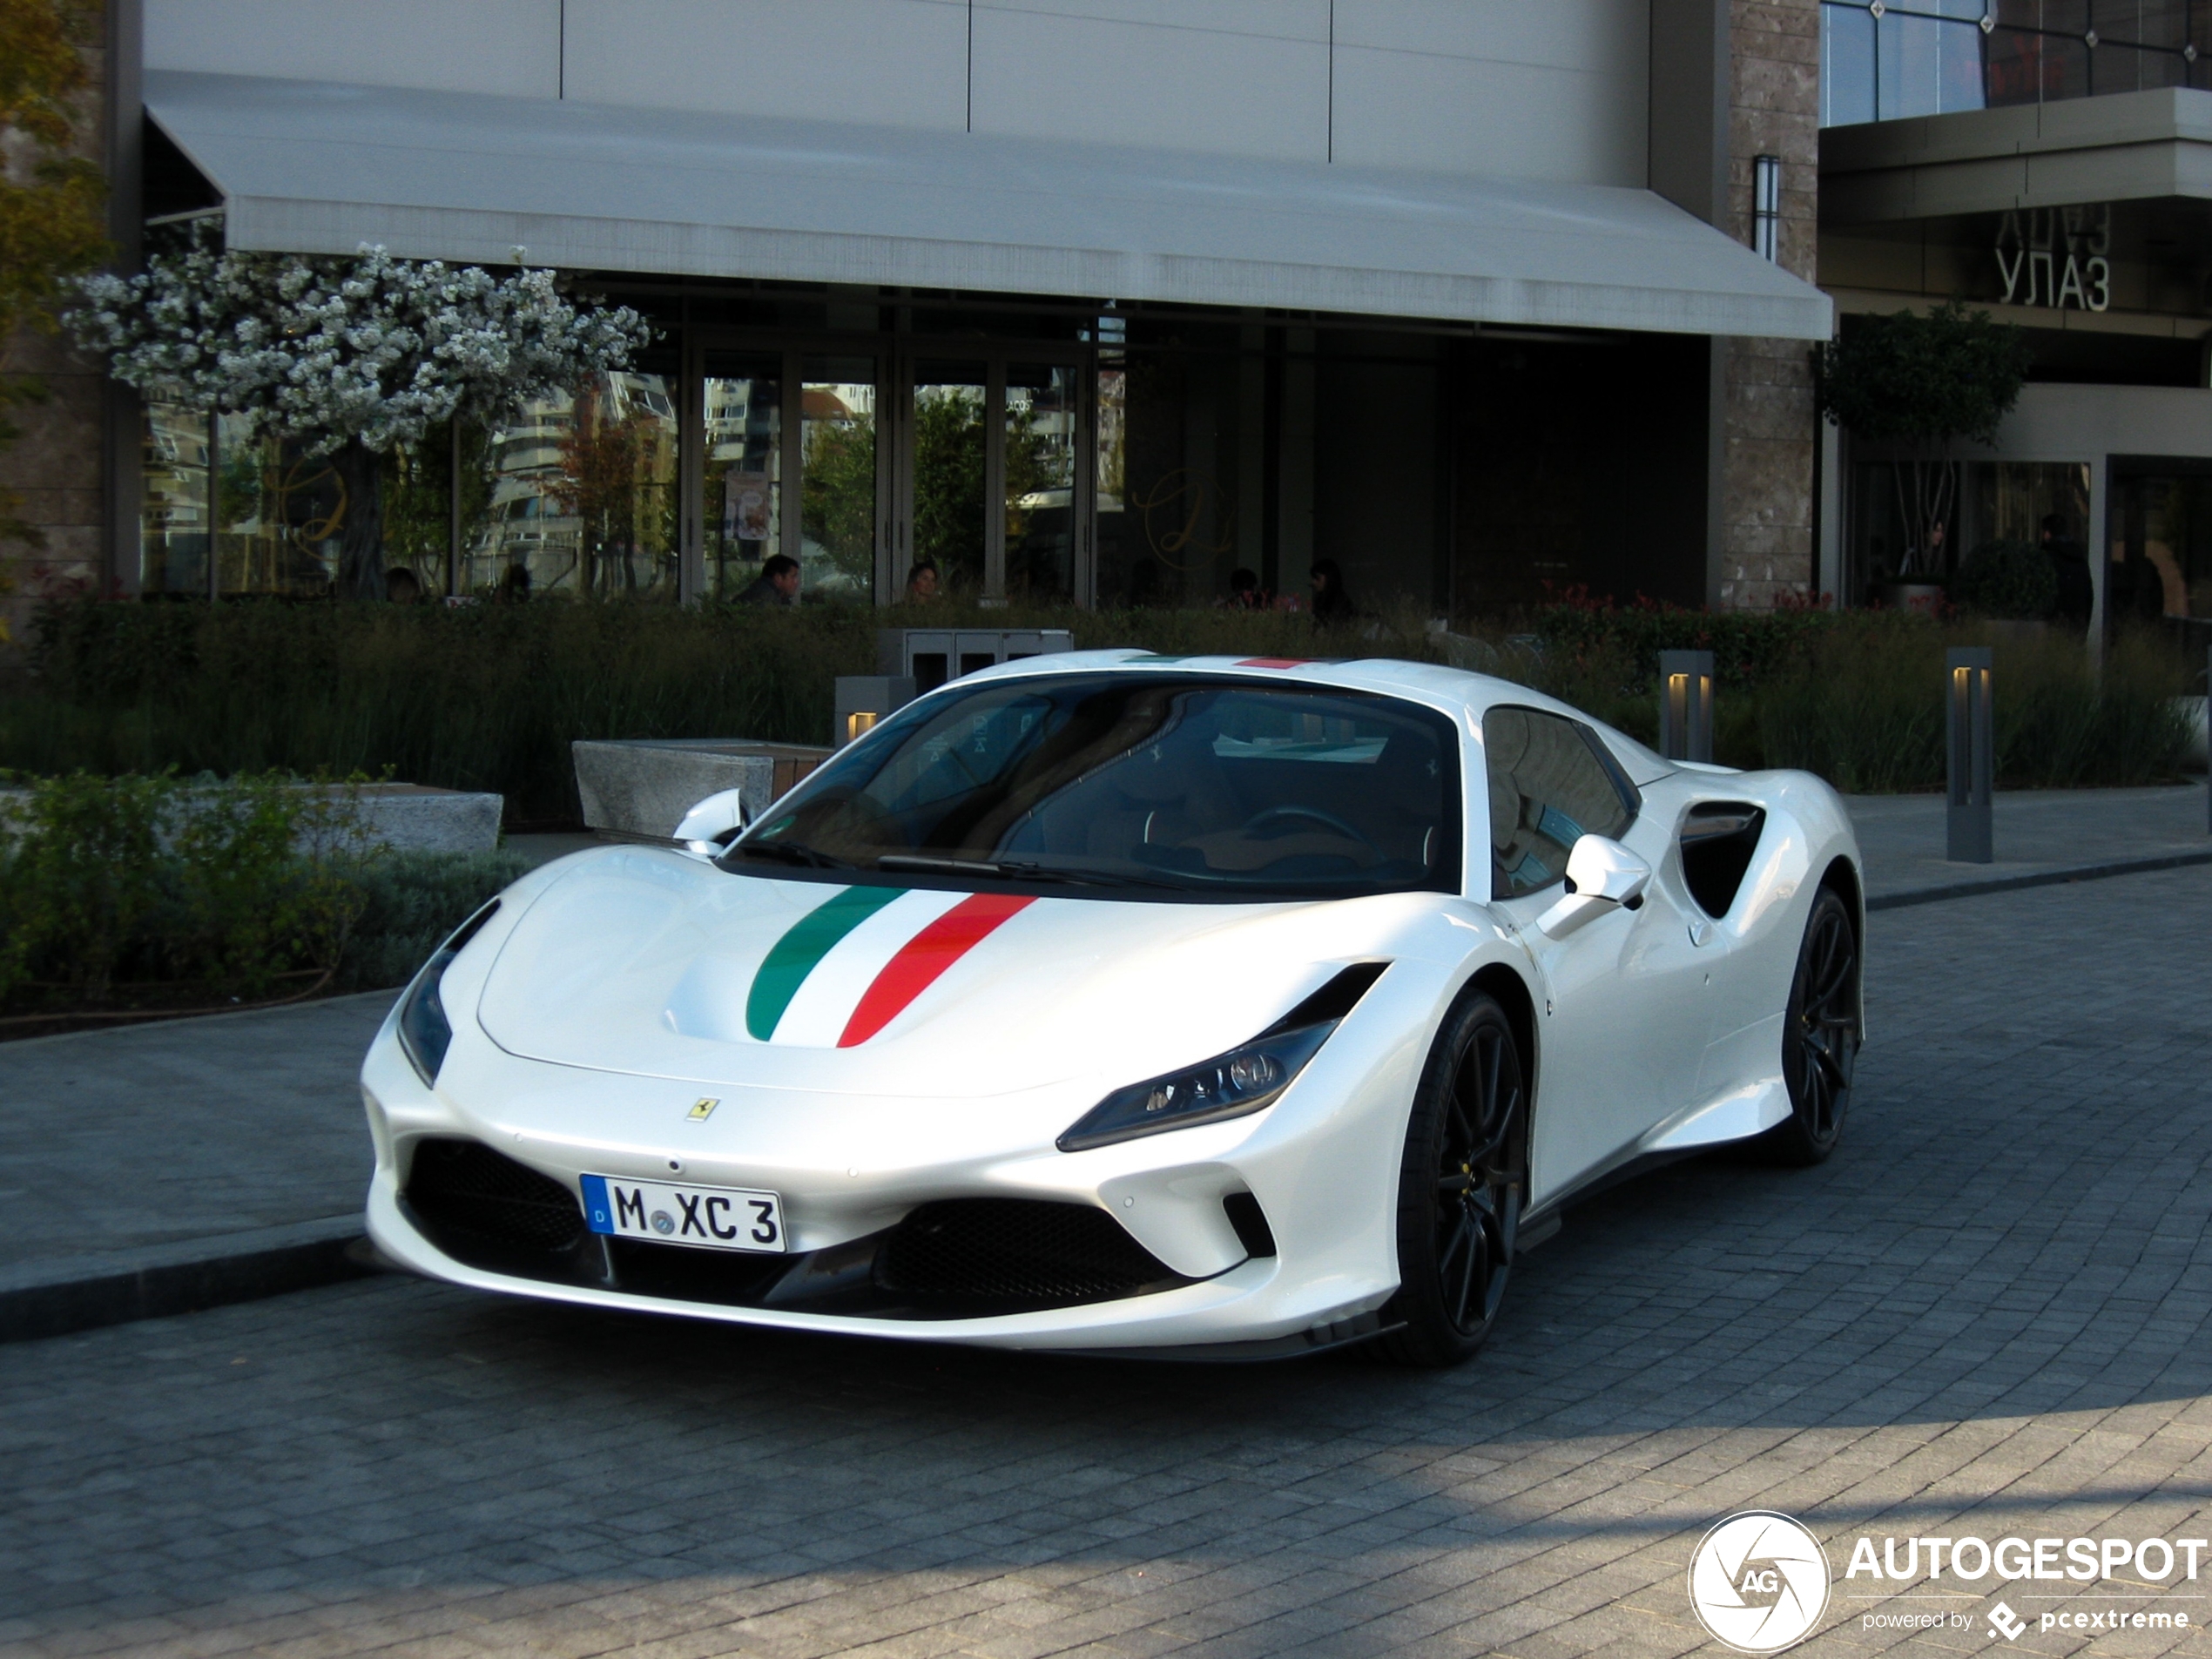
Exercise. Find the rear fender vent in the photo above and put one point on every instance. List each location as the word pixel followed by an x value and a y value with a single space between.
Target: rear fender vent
pixel 1718 838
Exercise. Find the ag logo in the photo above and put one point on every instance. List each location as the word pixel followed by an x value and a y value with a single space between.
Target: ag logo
pixel 1759 1581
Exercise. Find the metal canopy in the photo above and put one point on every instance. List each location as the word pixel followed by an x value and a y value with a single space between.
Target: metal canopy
pixel 322 167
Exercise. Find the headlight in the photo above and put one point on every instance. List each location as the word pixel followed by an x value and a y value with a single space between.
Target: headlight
pixel 1229 1085
pixel 425 1032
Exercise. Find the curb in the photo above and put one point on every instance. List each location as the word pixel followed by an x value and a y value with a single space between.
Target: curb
pixel 60 1295
pixel 2056 876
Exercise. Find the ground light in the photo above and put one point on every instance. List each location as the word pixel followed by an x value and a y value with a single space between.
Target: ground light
pixel 1969 755
pixel 1686 704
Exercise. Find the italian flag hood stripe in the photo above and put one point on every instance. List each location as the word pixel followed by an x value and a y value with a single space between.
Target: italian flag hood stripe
pixel 858 960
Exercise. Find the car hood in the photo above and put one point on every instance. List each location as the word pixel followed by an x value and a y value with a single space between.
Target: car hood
pixel 655 964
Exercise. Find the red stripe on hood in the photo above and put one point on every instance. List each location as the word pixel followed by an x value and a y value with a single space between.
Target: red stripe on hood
pixel 925 956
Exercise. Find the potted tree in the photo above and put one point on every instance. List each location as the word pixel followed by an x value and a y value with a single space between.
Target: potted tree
pixel 352 357
pixel 1922 384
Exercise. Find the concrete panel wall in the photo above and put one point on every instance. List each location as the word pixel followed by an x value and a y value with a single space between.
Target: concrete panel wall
pixel 884 63
pixel 1552 92
pixel 1229 77
pixel 1557 91
pixel 508 47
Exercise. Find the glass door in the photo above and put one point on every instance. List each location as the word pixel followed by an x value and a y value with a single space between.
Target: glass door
pixel 1038 427
pixel 741 509
pixel 837 470
pixel 950 455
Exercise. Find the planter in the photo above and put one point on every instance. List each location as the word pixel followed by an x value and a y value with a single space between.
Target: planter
pixel 1926 598
pixel 641 789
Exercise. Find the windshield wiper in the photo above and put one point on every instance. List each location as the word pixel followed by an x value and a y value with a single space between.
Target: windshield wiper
pixel 791 853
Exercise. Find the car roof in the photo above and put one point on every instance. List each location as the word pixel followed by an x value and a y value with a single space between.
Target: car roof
pixel 1464 695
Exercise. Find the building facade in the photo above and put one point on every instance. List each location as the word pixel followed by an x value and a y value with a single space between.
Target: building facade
pixel 1087 300
pixel 2049 161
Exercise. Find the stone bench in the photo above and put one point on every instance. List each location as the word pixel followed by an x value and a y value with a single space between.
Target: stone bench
pixel 640 788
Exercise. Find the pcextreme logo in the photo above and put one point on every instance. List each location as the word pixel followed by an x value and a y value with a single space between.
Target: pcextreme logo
pixel 1758 1582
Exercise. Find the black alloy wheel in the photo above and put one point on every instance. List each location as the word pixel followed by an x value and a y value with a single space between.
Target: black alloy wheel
pixel 1820 1035
pixel 1462 1183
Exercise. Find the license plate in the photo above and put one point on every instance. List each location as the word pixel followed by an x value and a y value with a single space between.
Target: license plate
pixel 704 1218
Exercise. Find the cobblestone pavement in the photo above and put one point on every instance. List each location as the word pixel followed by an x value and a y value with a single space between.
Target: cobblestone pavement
pixel 1986 1316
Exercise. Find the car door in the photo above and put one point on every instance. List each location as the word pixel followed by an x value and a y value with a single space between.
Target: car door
pixel 1624 1015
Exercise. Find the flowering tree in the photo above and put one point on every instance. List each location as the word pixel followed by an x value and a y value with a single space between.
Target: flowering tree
pixel 350 357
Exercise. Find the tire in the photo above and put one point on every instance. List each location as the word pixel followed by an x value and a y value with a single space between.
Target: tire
pixel 1462 1183
pixel 1820 1034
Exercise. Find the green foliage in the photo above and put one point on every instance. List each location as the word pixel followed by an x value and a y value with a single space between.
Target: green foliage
pixel 1864 711
pixel 1748 646
pixel 948 486
pixel 1910 379
pixel 410 902
pixel 490 697
pixel 113 885
pixel 837 494
pixel 2012 580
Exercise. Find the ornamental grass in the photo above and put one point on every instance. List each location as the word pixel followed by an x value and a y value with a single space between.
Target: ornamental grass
pixel 489 696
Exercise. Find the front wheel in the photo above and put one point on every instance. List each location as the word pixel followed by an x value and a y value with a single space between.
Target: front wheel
pixel 1819 1035
pixel 1462 1181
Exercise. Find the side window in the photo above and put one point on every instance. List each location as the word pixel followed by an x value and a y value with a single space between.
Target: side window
pixel 1548 788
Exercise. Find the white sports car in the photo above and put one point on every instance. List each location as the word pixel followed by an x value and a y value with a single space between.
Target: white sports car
pixel 1117 1002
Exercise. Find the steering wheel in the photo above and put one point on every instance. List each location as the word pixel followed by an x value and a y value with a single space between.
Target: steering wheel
pixel 1273 814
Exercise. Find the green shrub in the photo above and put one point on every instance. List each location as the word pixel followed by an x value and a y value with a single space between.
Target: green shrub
pixel 112 886
pixel 411 901
pixel 2009 580
pixel 490 697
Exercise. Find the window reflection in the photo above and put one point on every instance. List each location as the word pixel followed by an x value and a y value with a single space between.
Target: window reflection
pixel 1039 482
pixel 741 514
pixel 1933 56
pixel 838 477
pixel 583 494
pixel 948 449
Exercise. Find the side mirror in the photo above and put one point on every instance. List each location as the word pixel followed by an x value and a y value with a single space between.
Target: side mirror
pixel 1601 876
pixel 713 823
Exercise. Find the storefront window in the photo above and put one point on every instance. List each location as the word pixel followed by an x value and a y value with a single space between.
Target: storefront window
pixel 583 494
pixel 949 453
pixel 1040 487
pixel 281 512
pixel 742 516
pixel 837 477
pixel 2159 547
pixel 1987 500
pixel 173 519
pixel 1179 449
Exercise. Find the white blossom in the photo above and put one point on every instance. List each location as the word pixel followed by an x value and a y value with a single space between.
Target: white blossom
pixel 327 350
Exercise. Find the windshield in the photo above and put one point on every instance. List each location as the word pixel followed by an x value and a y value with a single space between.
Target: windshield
pixel 1145 780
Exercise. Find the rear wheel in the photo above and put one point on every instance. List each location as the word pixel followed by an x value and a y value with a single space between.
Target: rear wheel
pixel 1462 1181
pixel 1819 1035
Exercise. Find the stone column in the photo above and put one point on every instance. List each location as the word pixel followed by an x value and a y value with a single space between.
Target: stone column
pixel 1764 544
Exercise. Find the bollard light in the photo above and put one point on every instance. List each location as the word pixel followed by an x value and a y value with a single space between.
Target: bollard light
pixel 1969 755
pixel 862 700
pixel 1686 706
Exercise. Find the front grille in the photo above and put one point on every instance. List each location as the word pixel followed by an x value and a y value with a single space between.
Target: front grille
pixel 471 1195
pixel 1008 1254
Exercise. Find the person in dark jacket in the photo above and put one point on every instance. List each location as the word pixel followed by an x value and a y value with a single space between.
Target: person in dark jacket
pixel 1331 605
pixel 776 584
pixel 2070 560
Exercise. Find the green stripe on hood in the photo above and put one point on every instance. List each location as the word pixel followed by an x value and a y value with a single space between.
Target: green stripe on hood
pixel 793 956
